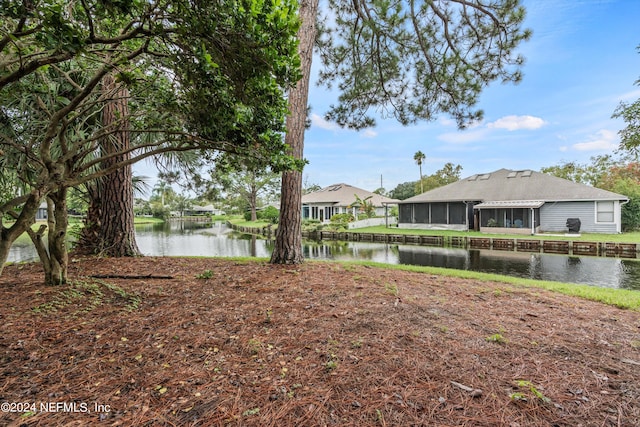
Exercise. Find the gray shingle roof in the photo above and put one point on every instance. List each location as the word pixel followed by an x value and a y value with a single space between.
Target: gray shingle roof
pixel 343 195
pixel 510 185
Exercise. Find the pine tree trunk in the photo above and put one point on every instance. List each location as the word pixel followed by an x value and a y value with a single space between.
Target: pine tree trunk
pixel 89 240
pixel 288 244
pixel 117 236
pixel 109 227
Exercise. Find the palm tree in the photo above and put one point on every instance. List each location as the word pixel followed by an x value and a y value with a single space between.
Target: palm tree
pixel 419 158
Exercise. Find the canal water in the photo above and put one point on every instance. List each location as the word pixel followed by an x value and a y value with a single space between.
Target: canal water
pixel 177 238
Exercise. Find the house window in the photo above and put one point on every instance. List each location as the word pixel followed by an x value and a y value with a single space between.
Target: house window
pixel 604 212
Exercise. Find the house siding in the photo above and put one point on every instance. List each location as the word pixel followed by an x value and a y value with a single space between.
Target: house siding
pixel 553 217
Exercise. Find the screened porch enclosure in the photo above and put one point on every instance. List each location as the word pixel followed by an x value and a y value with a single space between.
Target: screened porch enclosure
pixel 455 215
pixel 507 218
pixel 521 217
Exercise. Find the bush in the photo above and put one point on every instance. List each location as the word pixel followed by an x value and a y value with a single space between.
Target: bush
pixel 160 212
pixel 312 225
pixel 269 214
pixel 342 219
pixel 631 215
pixel 630 210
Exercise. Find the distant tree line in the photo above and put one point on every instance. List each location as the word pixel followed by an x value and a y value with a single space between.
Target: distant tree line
pixel 617 173
pixel 446 175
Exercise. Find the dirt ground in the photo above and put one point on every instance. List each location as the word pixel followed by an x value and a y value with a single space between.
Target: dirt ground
pixel 208 342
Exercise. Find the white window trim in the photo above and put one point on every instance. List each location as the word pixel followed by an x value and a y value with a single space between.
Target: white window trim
pixel 613 212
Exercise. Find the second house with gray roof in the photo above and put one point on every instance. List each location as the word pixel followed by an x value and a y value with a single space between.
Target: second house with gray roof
pixel 341 198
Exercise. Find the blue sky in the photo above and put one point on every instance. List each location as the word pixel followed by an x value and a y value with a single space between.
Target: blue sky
pixel 581 61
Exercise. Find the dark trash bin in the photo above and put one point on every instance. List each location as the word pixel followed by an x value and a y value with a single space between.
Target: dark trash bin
pixel 573 224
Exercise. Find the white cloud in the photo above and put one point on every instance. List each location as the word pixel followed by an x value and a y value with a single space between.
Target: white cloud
pixel 630 96
pixel 369 133
pixel 446 121
pixel 320 122
pixel 602 140
pixel 512 123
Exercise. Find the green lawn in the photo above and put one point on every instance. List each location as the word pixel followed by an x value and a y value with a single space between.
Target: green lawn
pixel 76 223
pixel 622 298
pixel 241 222
pixel 632 237
pixel 147 220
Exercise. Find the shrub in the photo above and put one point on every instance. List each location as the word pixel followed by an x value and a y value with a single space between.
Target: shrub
pixel 269 214
pixel 158 211
pixel 342 219
pixel 312 225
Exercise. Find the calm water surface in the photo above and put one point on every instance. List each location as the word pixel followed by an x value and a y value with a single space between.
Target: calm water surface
pixel 201 239
pixel 184 238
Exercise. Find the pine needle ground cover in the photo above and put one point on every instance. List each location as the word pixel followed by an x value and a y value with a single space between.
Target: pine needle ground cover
pixel 207 342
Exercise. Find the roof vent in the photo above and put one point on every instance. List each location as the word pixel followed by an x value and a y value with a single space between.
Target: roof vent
pixel 472 178
pixel 484 177
pixel 512 174
pixel 335 188
pixel 526 174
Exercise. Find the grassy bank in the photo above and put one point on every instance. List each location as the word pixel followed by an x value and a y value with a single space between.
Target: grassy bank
pixel 76 223
pixel 631 237
pixel 622 298
pixel 147 220
pixel 241 222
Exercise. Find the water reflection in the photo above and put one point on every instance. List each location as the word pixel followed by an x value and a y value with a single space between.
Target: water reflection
pixel 197 239
pixel 22 251
pixel 216 239
pixel 598 271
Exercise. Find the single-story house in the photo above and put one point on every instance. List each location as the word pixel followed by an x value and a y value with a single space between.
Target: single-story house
pixel 196 210
pixel 338 199
pixel 515 202
pixel 42 213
